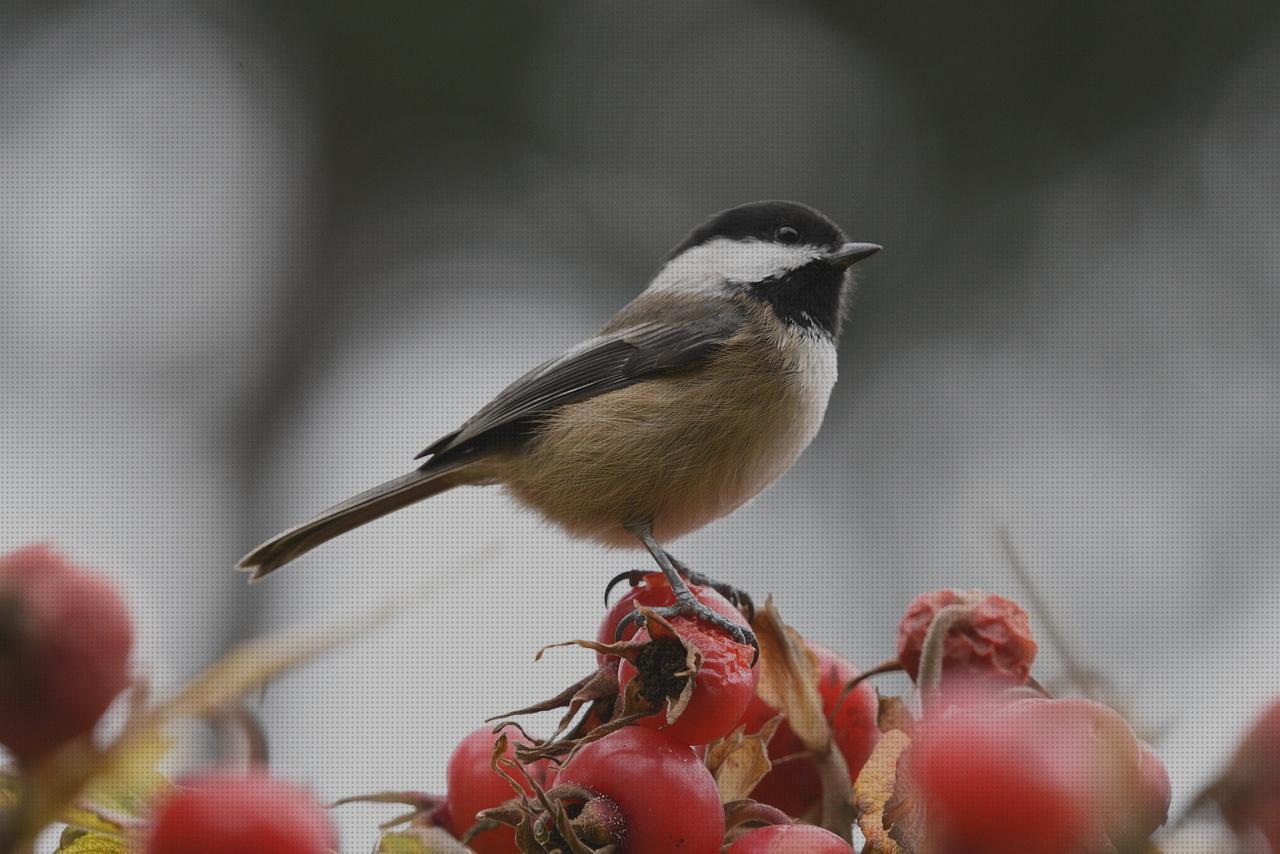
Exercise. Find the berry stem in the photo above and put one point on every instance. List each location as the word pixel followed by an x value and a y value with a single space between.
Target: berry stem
pixel 929 676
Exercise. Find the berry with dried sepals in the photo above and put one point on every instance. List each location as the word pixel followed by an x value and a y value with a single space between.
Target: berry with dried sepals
pixel 647 792
pixel 721 688
pixel 473 785
pixel 988 637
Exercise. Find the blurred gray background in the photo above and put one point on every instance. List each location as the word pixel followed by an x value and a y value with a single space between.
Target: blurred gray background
pixel 253 256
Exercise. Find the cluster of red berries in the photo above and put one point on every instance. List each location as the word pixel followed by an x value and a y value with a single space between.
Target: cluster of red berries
pixel 678 741
pixel 65 643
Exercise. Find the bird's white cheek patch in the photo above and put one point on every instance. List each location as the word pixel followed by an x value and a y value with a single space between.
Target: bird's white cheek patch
pixel 718 262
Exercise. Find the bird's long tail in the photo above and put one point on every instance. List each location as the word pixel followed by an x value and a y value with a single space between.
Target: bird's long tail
pixel 355 511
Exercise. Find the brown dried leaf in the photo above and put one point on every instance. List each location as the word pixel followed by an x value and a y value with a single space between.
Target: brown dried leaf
pixel 874 788
pixel 739 761
pixel 789 678
pixel 788 681
pixel 894 714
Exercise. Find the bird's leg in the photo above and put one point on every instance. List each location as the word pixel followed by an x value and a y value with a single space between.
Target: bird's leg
pixel 685 605
pixel 740 599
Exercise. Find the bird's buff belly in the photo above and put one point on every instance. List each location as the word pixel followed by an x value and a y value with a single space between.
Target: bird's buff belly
pixel 680 452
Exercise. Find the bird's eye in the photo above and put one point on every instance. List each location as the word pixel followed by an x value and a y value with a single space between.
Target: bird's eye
pixel 786 234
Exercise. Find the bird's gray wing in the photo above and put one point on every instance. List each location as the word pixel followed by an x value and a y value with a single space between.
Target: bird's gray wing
pixel 682 338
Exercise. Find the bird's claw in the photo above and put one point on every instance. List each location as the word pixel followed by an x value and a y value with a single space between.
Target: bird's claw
pixel 695 610
pixel 633 577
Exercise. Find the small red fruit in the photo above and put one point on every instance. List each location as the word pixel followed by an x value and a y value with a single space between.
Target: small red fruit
pixel 790 839
pixel 248 812
pixel 990 782
pixel 665 796
pixel 65 637
pixel 473 786
pixel 1051 776
pixel 794 786
pixel 992 642
pixel 722 687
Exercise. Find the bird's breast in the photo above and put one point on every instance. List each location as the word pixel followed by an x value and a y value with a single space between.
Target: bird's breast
pixel 684 449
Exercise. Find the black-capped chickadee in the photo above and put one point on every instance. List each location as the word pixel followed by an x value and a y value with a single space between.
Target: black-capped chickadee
pixel 699 393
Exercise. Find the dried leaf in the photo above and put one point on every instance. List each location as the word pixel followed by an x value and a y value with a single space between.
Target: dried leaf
pixel 599 691
pixel 789 678
pixel 873 789
pixel 739 761
pixel 894 714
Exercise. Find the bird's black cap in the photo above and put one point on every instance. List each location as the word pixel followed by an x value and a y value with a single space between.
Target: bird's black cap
pixel 761 221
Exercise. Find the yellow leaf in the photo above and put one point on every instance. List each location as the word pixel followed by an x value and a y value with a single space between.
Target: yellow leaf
pixel 421 840
pixel 90 821
pixel 128 778
pixel 739 761
pixel 874 787
pixel 92 843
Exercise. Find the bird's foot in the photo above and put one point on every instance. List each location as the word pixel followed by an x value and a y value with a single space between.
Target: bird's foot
pixel 737 597
pixel 687 606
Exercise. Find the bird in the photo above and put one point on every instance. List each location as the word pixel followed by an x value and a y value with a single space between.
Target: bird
pixel 696 396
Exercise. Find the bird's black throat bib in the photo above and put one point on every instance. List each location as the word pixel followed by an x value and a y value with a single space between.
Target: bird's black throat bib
pixel 808 297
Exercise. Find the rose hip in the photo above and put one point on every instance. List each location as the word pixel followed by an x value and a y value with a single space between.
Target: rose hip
pixel 65 637
pixel 247 812
pixel 652 793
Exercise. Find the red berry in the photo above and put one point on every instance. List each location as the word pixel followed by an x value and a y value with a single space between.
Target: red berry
pixel 992 643
pixel 990 782
pixel 65 637
pixel 794 786
pixel 666 797
pixel 790 839
pixel 854 722
pixel 473 786
pixel 722 687
pixel 653 591
pixel 249 812
pixel 1034 775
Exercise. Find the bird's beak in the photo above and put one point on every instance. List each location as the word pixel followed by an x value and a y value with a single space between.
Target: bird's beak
pixel 851 253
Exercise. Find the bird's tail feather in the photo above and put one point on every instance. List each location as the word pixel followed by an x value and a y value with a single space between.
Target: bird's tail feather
pixel 355 511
